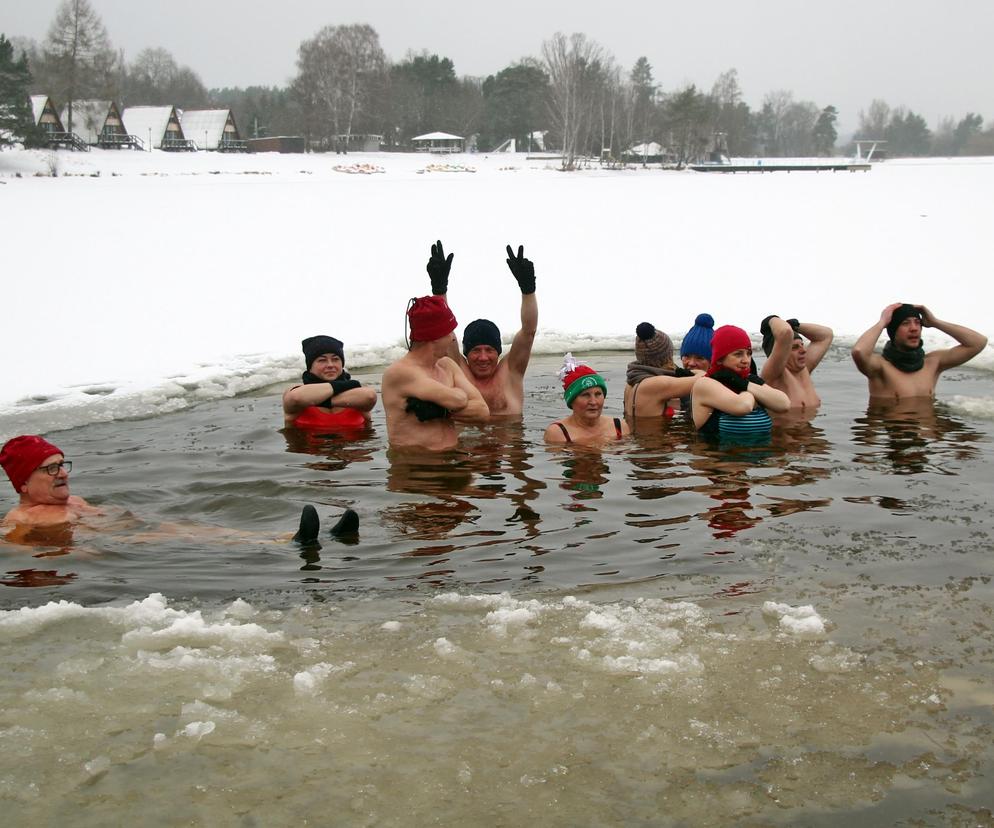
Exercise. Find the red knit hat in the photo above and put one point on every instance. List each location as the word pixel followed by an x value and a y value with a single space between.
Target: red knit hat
pixel 726 339
pixel 20 456
pixel 430 319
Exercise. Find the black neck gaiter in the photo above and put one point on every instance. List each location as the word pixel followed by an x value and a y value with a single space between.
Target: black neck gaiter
pixel 905 359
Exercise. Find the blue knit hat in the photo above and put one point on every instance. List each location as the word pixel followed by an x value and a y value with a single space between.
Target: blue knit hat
pixel 698 339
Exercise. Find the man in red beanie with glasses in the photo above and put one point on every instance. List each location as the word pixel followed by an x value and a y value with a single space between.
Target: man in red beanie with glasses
pixel 39 473
pixel 424 391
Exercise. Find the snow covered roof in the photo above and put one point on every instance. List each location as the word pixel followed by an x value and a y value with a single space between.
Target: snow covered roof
pixel 438 136
pixel 205 127
pixel 147 121
pixel 38 104
pixel 652 148
pixel 88 118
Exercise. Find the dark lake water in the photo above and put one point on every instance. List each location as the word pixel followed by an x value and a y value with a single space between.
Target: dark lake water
pixel 515 619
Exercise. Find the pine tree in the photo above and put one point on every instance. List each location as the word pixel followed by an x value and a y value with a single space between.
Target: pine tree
pixel 16 120
pixel 825 133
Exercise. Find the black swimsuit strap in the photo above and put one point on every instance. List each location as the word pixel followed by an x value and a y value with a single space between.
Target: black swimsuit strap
pixel 617 426
pixel 562 428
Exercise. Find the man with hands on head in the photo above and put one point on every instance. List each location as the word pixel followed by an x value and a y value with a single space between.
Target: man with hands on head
pixel 904 369
pixel 789 361
pixel 500 381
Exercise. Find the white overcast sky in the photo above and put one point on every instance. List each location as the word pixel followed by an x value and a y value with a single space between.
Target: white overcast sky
pixel 936 58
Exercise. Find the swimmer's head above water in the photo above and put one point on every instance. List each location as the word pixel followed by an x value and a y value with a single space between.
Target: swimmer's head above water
pixel 905 326
pixel 324 356
pixel 36 469
pixel 430 319
pixel 653 347
pixel 482 347
pixel 695 349
pixel 577 378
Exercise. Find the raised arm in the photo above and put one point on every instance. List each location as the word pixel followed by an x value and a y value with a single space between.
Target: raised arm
pixel 869 363
pixel 783 339
pixel 438 268
pixel 819 341
pixel 521 346
pixel 970 342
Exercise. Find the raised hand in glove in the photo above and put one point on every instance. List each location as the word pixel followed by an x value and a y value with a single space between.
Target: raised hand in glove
pixel 426 410
pixel 522 268
pixel 438 269
pixel 731 380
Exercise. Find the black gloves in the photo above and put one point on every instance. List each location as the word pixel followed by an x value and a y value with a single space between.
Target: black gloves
pixel 794 324
pixel 340 385
pixel 438 269
pixel 683 372
pixel 426 410
pixel 731 380
pixel 522 268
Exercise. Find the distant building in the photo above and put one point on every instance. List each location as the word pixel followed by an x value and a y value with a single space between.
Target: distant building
pixel 158 126
pixel 276 143
pixel 53 128
pixel 212 129
pixel 439 142
pixel 99 123
pixel 357 143
pixel 45 114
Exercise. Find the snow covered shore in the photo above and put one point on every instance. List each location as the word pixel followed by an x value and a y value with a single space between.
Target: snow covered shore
pixel 138 282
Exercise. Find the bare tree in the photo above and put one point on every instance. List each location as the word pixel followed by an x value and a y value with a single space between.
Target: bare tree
pixel 337 72
pixel 873 122
pixel 154 77
pixel 79 52
pixel 574 66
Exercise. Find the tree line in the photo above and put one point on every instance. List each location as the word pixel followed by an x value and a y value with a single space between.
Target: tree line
pixel 573 98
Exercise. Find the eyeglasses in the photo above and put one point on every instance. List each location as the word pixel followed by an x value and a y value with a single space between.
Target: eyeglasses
pixel 54 468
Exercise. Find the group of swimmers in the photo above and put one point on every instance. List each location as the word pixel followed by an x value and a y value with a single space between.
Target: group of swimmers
pixel 436 385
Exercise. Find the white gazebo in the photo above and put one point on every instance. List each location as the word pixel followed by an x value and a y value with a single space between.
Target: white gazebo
pixel 439 142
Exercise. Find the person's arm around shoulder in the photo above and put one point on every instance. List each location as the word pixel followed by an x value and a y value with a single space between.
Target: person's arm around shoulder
pixel 475 408
pixel 657 391
pixel 521 346
pixel 869 363
pixel 970 341
pixel 819 341
pixel 783 339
